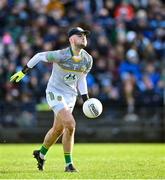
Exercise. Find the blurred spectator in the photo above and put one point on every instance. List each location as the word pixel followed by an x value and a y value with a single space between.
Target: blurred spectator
pixel 124 11
pixel 27 117
pixel 10 105
pixel 152 90
pixel 130 74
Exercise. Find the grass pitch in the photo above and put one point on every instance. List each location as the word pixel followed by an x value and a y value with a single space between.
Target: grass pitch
pixel 94 161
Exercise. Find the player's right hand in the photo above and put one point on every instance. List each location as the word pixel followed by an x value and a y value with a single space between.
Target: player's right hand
pixel 17 76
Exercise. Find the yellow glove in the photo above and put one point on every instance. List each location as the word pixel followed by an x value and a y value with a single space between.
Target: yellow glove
pixel 17 76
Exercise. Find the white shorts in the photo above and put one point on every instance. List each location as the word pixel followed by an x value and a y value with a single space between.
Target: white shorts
pixel 58 101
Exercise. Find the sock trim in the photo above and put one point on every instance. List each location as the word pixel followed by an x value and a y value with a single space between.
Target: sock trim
pixel 68 158
pixel 43 150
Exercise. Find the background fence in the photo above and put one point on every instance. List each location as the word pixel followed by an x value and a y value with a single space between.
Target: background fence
pixel 148 125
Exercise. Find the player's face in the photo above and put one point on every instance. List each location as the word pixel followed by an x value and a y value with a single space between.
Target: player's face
pixel 80 40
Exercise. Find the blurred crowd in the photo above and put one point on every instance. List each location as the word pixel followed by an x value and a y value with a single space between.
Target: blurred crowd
pixel 126 42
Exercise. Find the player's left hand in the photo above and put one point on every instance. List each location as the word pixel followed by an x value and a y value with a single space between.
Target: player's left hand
pixel 17 76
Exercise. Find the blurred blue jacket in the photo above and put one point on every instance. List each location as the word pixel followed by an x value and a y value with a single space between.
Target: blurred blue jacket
pixel 131 68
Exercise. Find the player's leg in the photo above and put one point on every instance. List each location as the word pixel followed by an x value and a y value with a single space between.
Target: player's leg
pixel 51 137
pixel 60 105
pixel 68 137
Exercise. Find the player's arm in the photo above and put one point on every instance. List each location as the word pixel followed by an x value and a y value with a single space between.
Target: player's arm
pixel 82 87
pixel 82 83
pixel 50 56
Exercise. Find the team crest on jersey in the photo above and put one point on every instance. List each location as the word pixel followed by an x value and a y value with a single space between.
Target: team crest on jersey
pixel 59 98
pixel 70 78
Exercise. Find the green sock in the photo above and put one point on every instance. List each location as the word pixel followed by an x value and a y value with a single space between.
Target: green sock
pixel 43 150
pixel 68 158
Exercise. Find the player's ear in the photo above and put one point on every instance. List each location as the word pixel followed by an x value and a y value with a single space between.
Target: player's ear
pixel 71 39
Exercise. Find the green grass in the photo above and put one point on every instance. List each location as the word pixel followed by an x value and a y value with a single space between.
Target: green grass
pixel 94 161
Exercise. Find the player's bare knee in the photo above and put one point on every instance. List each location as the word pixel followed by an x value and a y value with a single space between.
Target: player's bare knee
pixel 56 130
pixel 59 131
pixel 69 132
pixel 70 125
